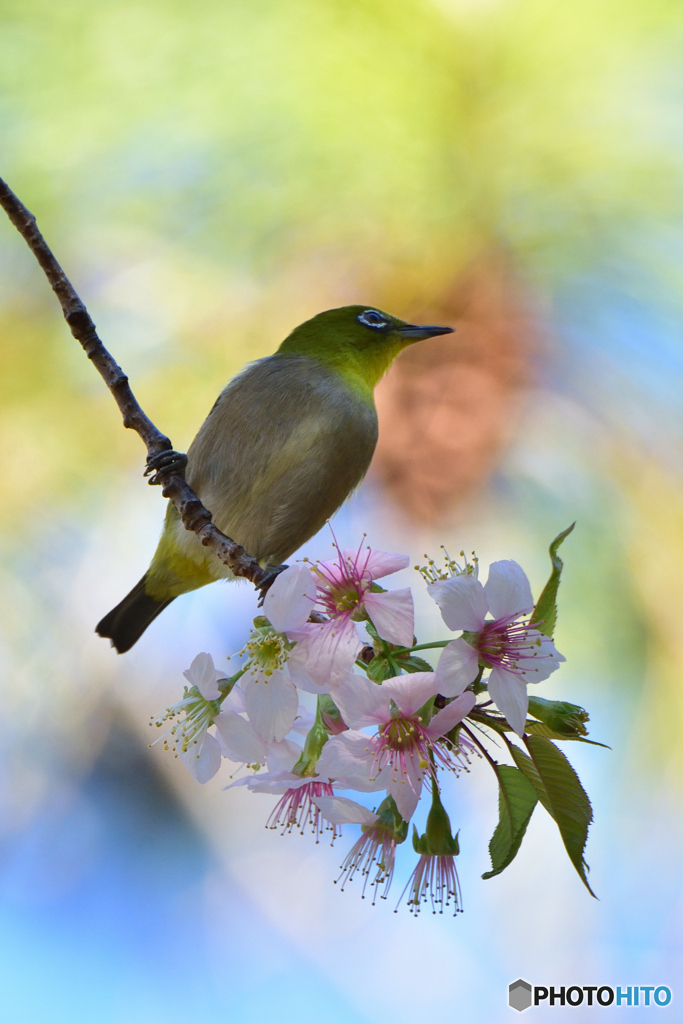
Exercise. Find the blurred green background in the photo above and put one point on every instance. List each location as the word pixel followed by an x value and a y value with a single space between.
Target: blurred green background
pixel 210 174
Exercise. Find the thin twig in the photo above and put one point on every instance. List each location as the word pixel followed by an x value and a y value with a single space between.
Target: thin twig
pixel 194 515
pixel 494 764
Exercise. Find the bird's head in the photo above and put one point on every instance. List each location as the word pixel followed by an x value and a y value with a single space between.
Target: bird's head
pixel 359 341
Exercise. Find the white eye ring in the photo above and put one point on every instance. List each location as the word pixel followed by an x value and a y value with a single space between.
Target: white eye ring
pixel 371 318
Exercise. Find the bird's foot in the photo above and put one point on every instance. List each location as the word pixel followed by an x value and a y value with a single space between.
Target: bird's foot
pixel 263 587
pixel 165 464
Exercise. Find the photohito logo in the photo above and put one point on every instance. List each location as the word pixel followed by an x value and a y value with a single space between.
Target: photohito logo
pixel 522 995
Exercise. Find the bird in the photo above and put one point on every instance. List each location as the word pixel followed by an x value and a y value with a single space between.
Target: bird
pixel 288 439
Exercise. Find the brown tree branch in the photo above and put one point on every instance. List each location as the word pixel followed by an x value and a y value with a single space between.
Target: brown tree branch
pixel 194 515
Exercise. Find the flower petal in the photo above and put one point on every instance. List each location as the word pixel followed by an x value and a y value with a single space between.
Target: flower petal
pixel 507 590
pixel 289 601
pixel 462 602
pixel 339 810
pixel 412 691
pixel 304 721
pixel 270 782
pixel 339 756
pixel 405 796
pixel 202 763
pixel 450 716
pixel 203 675
pixel 457 667
pixel 546 659
pixel 377 564
pixel 350 761
pixel 240 739
pixel 297 667
pixel 393 615
pixel 271 705
pixel 509 693
pixel 282 756
pixel 361 701
pixel 235 700
pixel 324 651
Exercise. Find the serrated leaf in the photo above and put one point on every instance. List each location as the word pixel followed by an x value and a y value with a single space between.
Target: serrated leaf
pixel 541 729
pixel 517 798
pixel 526 765
pixel 568 802
pixel 414 664
pixel 379 669
pixel 544 615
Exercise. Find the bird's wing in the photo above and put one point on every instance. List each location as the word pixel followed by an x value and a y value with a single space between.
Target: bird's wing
pixel 286 443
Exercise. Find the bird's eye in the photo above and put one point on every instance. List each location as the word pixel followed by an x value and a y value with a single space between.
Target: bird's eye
pixel 371 318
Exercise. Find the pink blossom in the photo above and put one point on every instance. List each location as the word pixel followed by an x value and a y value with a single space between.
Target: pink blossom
pixel 343 591
pixel 299 804
pixel 198 749
pixel 241 742
pixel 516 651
pixel 373 854
pixel 299 807
pixel 401 751
pixel 435 880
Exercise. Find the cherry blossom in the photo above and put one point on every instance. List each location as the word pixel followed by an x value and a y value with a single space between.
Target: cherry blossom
pixel 343 590
pixel 299 807
pixel 515 650
pixel 189 738
pixel 374 853
pixel 435 880
pixel 241 742
pixel 435 877
pixel 377 732
pixel 270 696
pixel 401 752
pixel 301 795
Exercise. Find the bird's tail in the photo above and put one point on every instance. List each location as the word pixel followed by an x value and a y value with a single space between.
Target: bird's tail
pixel 125 624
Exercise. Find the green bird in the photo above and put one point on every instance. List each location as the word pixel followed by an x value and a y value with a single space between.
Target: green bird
pixel 287 441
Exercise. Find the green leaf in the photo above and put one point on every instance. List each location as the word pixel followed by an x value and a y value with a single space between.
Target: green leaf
pixel 526 765
pixel 517 798
pixel 544 615
pixel 379 669
pixel 560 716
pixel 414 664
pixel 541 729
pixel 568 803
pixel 373 632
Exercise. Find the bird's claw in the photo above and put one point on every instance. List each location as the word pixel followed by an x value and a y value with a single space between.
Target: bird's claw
pixel 264 586
pixel 165 464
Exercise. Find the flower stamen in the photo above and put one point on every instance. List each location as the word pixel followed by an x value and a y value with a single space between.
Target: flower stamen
pixel 435 879
pixel 374 855
pixel 504 642
pixel 296 809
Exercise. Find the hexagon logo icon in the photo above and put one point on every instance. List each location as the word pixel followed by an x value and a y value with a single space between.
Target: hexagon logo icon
pixel 519 995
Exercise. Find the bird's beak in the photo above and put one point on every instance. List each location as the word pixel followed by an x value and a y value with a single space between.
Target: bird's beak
pixel 413 332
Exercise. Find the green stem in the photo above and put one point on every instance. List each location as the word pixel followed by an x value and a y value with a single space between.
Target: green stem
pixel 494 764
pixel 422 647
pixel 229 683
